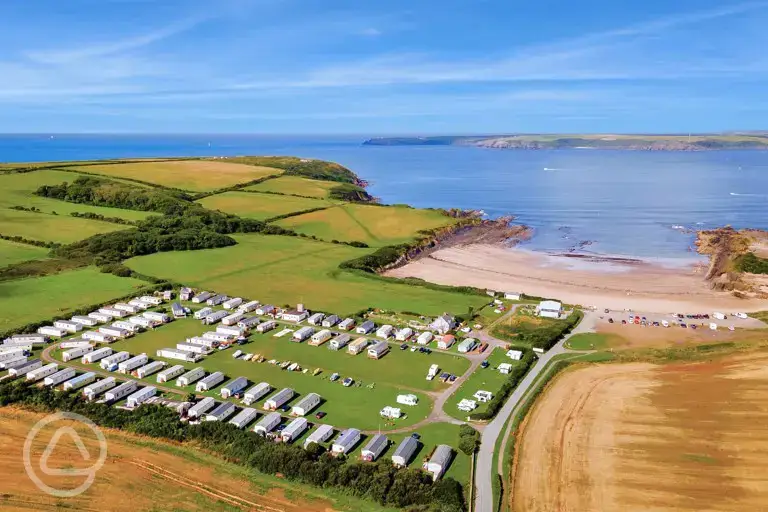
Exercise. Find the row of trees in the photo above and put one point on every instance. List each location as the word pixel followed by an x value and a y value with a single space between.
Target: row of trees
pixel 103 218
pixel 379 482
pixel 514 378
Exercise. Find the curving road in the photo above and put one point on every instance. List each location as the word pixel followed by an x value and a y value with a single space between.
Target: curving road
pixel 486 467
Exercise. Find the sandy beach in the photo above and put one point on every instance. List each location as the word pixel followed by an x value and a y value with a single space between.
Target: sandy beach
pixel 630 284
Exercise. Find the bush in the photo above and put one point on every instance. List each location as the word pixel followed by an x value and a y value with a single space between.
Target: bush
pixel 752 264
pixel 515 376
pixel 469 439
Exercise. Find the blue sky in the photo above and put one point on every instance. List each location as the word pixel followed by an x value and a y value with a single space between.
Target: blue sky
pixel 387 67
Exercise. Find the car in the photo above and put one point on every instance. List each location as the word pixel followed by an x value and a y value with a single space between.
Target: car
pixel 427 350
pixel 416 436
pixel 347 382
pixel 414 349
pixel 610 320
pixel 485 364
pixel 607 311
pixel 335 377
pixel 623 322
pixel 452 378
pixel 320 415
pixel 242 341
pixel 683 325
pixel 403 346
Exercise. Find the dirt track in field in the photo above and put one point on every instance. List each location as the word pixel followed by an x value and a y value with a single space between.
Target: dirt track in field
pixel 134 478
pixel 641 437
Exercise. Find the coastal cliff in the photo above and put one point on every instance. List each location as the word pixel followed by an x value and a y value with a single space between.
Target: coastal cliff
pixel 728 249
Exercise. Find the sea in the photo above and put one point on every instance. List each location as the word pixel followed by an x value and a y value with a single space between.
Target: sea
pixel 618 203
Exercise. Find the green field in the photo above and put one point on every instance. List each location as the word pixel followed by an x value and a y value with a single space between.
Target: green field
pixel 287 270
pixel 12 253
pixel 194 175
pixel 29 300
pixel 487 379
pixel 252 205
pixel 374 225
pixel 588 341
pixel 431 436
pixel 294 185
pixel 52 228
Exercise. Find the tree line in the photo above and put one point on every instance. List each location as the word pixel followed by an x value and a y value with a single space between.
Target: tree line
pixel 381 482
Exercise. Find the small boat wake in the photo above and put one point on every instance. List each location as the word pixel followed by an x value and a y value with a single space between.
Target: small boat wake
pixel 748 195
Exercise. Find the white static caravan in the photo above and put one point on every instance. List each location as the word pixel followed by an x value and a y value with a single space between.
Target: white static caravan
pixel 512 295
pixel 409 399
pixel 266 326
pixel 216 299
pixel 346 441
pixel 550 309
pixel 268 423
pixel 293 430
pixel 155 301
pixel 178 355
pixel 71 327
pixel 149 369
pixel 190 377
pixel 265 309
pixel 347 324
pixel 121 391
pixel 217 336
pixel 202 313
pixel 320 337
pixel 75 343
pixel 12 354
pixel 375 446
pixel 467 345
pixel 170 373
pixel 185 293
pixel 249 322
pixel 93 390
pixel 53 332
pixel 234 387
pixel 515 355
pixel 13 346
pixel 100 317
pixel 210 382
pixel 59 377
pixel 357 346
pixel 32 339
pixel 330 321
pixel 80 381
pixel 316 319
pixel 139 304
pixel 96 355
pixel 366 327
pixel 85 321
pixel 339 342
pixel 385 331
pixel 167 294
pixel 223 411
pixel 128 308
pixel 244 417
pixel 231 331
pixel 115 332
pixel 302 334
pixel 391 413
pixel 42 372
pixel 306 404
pixel 378 350
pixel 320 435
pixel 29 366
pixel 156 316
pixel 279 399
pixel 76 352
pixel 204 342
pixel 191 347
pixel 404 334
pixel 248 306
pixel 214 317
pixel 232 303
pixel 13 363
pixel 294 315
pixel 127 325
pixel 201 297
pixel 405 451
pixel 114 360
pixel 132 363
pixel 178 311
pixel 439 462
pixel 256 392
pixel 114 313
pixel 141 321
pixel 201 407
pixel 141 396
pixel 98 337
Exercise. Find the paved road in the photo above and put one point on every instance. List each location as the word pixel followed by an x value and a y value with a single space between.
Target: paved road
pixel 486 467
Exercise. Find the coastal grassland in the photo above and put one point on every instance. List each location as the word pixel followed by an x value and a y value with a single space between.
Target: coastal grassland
pixel 259 206
pixel 287 270
pixel 486 379
pixel 590 341
pixel 304 167
pixel 294 185
pixel 12 253
pixel 18 190
pixel 52 228
pixel 375 225
pixel 29 300
pixel 193 175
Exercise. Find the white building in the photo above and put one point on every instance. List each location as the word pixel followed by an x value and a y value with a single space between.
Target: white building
pixel 75 343
pixel 191 347
pixel 29 366
pixel 379 350
pixel 59 377
pixel 201 297
pixel 42 372
pixel 100 317
pixel 205 342
pixel 115 332
pixel 256 392
pixel 512 296
pixel 217 336
pixel 293 430
pixel 339 341
pixel 74 353
pixel 232 319
pixel 405 451
pixel 345 442
pixel 279 399
pixel 149 369
pixel 244 417
pixel 151 299
pixel 357 346
pixel 139 397
pixel 132 363
pixel 265 309
pixel 266 326
pixel 178 355
pixel 248 306
pixel 366 327
pixel 93 390
pixel 140 321
pixel 216 300
pixel 202 313
pixel 316 319
pixel 404 334
pixel 128 308
pixel 346 324
pixel 467 345
pixel 190 377
pixel 515 354
pixel 409 399
pixel 32 339
pixel 68 326
pixel 210 382
pixel 201 407
pixel 156 317
pixel 185 293
pixel 214 317
pixel 110 363
pixel 85 321
pixel 170 373
pixel 223 411
pixel 53 332
pixel 320 337
pixel 306 404
pixel 443 324
pixel 79 381
pixel 330 321
pixel 320 435
pixel 385 331
pixel 234 387
pixel 98 337
pixel 232 303
pixel 114 313
pixel 424 338
pixel 550 309
pixel 439 462
pixel 374 448
pixel 268 423
pixel 446 341
pixel 128 326
pixel 96 355
pixel 392 413
pixel 232 331
pixel 139 304
pixel 505 368
pixel 302 334
pixel 294 315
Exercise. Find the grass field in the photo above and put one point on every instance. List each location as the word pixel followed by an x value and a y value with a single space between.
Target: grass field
pixel 588 341
pixel 296 186
pixel 29 300
pixel 374 225
pixel 487 379
pixel 522 321
pixel 52 228
pixel 259 206
pixel 193 175
pixel 285 270
pixel 11 253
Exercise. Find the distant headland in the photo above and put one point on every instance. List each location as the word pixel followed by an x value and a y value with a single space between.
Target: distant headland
pixel 633 142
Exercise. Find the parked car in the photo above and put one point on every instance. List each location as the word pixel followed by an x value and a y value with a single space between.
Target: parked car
pixel 403 346
pixel 320 415
pixel 347 382
pixel 335 377
pixel 610 320
pixel 485 364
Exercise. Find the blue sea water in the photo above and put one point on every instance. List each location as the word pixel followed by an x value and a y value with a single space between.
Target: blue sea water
pixel 640 204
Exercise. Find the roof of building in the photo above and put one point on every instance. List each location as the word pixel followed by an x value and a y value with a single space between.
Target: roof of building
pixel 550 305
pixel 442 455
pixel 376 443
pixel 406 447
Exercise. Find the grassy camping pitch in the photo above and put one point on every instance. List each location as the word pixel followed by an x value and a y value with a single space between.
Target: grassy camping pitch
pixel 257 206
pixel 29 300
pixel 12 253
pixel 193 175
pixel 374 225
pixel 294 185
pixel 286 270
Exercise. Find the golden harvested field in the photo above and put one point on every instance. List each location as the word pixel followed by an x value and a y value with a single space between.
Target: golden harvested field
pixel 259 206
pixel 296 186
pixel 374 225
pixel 194 175
pixel 639 437
pixel 139 475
